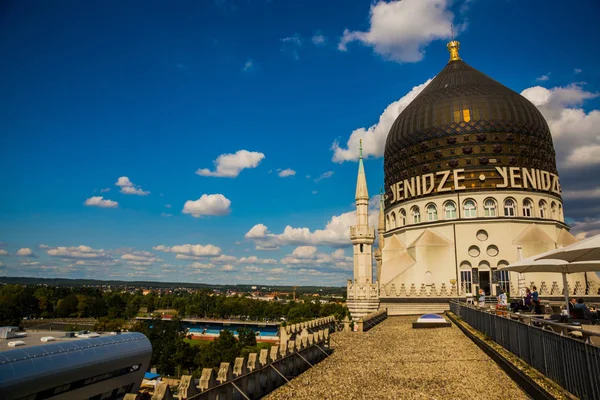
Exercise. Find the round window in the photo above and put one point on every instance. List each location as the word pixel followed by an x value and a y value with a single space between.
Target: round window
pixel 474 251
pixel 492 251
pixel 482 235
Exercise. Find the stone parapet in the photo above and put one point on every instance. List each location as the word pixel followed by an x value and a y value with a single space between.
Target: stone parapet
pixel 370 320
pixel 555 288
pixel 422 291
pixel 290 332
pixel 256 376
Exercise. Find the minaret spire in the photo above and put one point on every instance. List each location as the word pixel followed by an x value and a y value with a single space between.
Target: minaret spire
pixel 362 192
pixel 363 293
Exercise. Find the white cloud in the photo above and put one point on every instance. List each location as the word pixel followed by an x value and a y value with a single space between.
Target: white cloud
pixel 99 201
pixel 543 78
pixel 166 215
pixel 253 269
pixel 168 206
pixel 586 228
pixel 575 132
pixel 2 264
pixel 256 260
pixel 198 265
pixel 374 137
pixel 286 172
pixel 140 258
pixel 296 39
pixel 227 268
pixel 304 251
pixel 318 39
pixel 257 231
pixel 208 204
pixel 324 175
pixel 291 44
pixel 309 256
pixel 104 190
pixel 248 65
pixel 335 233
pixel 577 70
pixel 230 165
pixel 77 252
pixel 127 187
pixel 224 259
pixel 196 250
pixel 3 252
pixel 24 252
pixel 315 191
pixel 581 194
pixel 400 30
pixel 44 246
pixel 584 156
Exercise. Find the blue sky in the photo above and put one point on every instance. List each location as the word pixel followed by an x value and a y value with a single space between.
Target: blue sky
pixel 96 91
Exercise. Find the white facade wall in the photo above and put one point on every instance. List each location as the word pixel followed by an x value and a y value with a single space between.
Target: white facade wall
pixel 431 254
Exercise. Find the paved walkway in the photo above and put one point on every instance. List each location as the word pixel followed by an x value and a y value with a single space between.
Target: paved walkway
pixel 394 361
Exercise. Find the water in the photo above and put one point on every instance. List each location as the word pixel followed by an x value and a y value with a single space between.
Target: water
pixel 216 328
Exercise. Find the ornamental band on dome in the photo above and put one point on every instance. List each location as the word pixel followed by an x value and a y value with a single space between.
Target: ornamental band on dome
pixel 470 177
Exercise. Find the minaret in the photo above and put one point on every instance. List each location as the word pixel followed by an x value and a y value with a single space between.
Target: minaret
pixel 380 238
pixel 363 296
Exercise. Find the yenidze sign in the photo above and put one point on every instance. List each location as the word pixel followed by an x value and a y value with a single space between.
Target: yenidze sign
pixel 453 180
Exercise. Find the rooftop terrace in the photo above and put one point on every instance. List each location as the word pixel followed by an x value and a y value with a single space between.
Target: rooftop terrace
pixel 394 361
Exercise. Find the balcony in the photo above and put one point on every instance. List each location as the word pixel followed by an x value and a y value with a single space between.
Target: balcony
pixel 361 232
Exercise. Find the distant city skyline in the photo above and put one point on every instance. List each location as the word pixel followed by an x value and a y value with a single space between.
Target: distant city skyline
pixel 216 142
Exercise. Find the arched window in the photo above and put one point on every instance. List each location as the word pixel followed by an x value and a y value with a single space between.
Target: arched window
pixel 553 207
pixel 387 223
pixel 428 278
pixel 470 210
pixel 432 212
pixel 542 209
pixel 560 214
pixel 490 208
pixel 393 220
pixel 416 214
pixel 361 248
pixel 466 280
pixel 527 208
pixel 450 209
pixel 509 208
pixel 403 217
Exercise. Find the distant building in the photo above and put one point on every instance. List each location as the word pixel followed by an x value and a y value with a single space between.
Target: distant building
pixel 470 177
pixel 107 367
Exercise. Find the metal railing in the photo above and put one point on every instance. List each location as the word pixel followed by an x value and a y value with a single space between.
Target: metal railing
pixel 573 364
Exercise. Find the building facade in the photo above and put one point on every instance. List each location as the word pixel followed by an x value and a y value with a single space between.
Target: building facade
pixel 471 185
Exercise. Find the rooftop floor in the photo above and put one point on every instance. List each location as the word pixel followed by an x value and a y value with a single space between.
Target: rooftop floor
pixel 34 337
pixel 394 361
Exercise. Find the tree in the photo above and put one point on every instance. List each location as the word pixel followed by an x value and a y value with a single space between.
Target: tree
pixel 223 349
pixel 246 337
pixel 67 306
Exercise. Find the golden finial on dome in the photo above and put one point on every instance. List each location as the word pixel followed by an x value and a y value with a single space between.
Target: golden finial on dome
pixel 453 47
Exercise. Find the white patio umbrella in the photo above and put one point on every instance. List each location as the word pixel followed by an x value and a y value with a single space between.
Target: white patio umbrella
pixel 585 250
pixel 540 263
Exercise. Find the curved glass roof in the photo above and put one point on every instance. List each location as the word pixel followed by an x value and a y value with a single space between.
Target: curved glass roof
pixel 67 361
